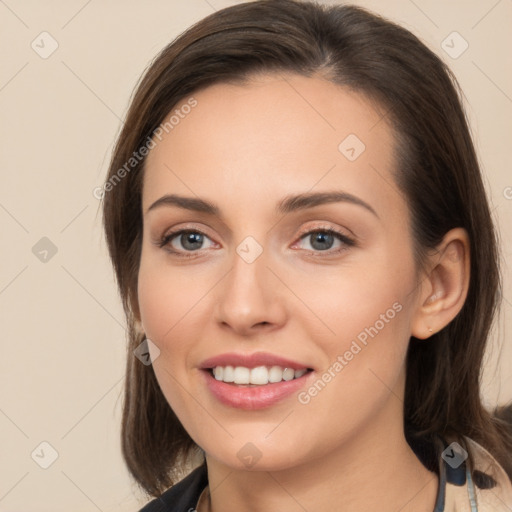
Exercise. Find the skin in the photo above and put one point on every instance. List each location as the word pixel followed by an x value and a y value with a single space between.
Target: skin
pixel 244 148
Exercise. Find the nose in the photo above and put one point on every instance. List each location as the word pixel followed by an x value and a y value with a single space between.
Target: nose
pixel 250 298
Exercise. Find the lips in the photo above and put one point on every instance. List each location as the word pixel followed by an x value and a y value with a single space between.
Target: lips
pixel 249 396
pixel 252 361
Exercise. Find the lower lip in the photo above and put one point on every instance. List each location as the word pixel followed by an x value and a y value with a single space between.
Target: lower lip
pixel 257 397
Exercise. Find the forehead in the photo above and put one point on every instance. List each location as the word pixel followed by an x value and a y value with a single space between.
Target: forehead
pixel 274 135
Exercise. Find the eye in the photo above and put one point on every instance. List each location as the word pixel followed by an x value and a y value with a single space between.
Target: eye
pixel 190 241
pixel 183 241
pixel 322 239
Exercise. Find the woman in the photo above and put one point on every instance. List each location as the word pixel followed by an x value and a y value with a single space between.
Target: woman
pixel 303 245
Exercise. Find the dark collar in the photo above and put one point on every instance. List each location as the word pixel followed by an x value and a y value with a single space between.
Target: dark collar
pixel 183 495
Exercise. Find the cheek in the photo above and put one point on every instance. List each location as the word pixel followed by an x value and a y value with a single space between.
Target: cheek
pixel 155 302
pixel 173 307
pixel 358 302
pixel 363 328
pixel 166 314
pixel 166 299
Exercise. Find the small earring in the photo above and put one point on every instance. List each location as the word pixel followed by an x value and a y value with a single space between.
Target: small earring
pixel 430 329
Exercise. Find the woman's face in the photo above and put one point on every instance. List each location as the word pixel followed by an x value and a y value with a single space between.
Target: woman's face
pixel 266 168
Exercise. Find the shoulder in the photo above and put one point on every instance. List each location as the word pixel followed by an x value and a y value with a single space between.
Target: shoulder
pixel 181 496
pixel 493 487
pixel 486 488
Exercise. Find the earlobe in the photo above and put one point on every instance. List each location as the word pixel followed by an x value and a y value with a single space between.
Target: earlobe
pixel 445 286
pixel 139 328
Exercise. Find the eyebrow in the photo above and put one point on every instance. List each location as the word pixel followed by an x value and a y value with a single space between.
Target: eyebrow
pixel 287 205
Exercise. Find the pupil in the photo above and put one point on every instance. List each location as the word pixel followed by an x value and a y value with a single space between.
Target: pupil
pixel 191 238
pixel 322 237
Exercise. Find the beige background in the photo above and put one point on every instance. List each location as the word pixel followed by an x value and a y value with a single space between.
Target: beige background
pixel 62 349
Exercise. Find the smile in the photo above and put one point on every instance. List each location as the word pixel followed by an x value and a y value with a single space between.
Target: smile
pixel 253 381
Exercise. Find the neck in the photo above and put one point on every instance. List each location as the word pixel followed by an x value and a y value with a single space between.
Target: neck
pixel 373 470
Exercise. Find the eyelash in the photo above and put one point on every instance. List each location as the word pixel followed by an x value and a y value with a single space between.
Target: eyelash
pixel 347 241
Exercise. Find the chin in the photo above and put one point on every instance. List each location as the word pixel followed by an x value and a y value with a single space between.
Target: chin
pixel 256 456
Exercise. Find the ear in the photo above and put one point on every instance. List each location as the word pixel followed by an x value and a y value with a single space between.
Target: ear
pixel 444 286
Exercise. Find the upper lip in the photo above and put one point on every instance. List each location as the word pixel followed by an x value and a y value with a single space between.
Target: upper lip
pixel 251 361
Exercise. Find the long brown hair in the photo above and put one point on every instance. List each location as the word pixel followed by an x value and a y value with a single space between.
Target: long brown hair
pixel 437 170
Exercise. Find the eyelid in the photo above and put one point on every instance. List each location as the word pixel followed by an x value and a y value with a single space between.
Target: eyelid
pixel 326 227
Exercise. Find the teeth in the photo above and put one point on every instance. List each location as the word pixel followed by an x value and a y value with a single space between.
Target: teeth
pixel 242 375
pixel 275 374
pixel 260 375
pixel 229 374
pixel 288 373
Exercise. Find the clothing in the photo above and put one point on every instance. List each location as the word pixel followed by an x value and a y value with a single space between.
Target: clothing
pixel 488 489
